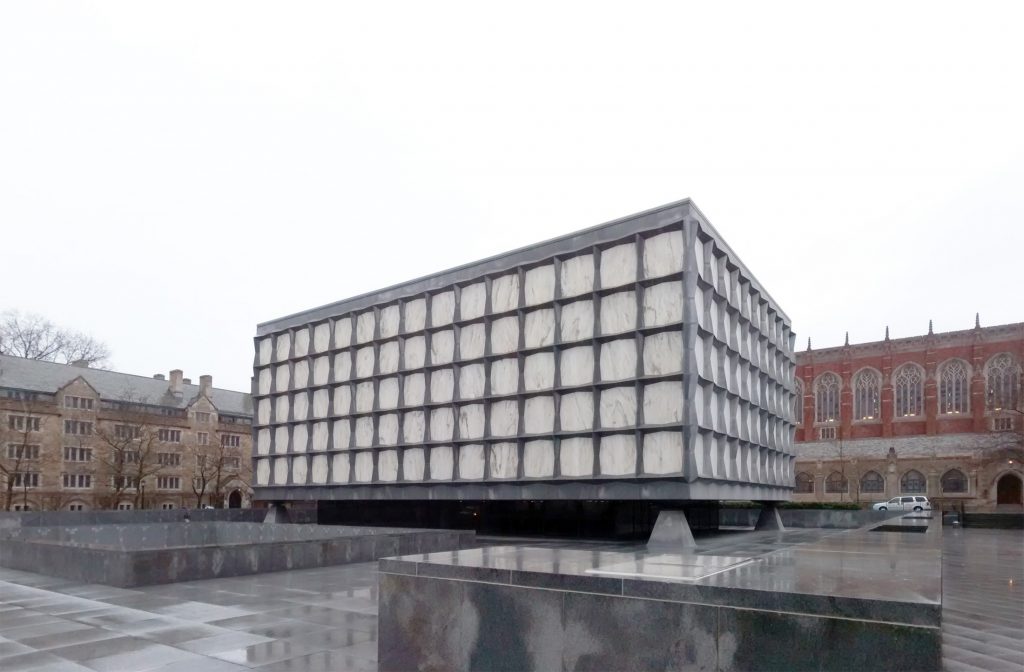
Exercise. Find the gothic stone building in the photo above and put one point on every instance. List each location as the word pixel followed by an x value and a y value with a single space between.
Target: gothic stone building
pixel 76 438
pixel 938 415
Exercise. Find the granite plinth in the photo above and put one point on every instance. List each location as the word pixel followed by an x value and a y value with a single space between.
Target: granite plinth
pixel 806 599
pixel 145 554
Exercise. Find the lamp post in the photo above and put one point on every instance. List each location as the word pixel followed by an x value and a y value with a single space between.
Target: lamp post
pixel 142 495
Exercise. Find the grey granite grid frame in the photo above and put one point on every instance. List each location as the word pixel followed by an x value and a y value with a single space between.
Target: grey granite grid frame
pixel 639 359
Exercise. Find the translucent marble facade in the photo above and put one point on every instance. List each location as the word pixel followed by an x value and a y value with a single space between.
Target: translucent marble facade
pixel 638 352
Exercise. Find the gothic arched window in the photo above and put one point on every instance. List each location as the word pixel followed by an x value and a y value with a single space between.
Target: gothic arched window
pixel 866 395
pixel 1002 383
pixel 954 481
pixel 872 482
pixel 826 398
pixel 913 483
pixel 804 482
pixel 836 482
pixel 908 393
pixel 954 388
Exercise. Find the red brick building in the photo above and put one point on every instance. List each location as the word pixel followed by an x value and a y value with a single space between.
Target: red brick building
pixel 938 414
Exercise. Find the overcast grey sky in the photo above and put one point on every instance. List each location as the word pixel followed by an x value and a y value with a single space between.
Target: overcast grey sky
pixel 171 174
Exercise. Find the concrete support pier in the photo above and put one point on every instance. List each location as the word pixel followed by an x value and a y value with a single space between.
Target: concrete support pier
pixel 770 518
pixel 671 531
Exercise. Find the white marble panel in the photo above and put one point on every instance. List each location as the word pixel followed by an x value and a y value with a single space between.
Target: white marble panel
pixel 319 469
pixel 301 376
pixel 472 341
pixel 340 468
pixel 364 397
pixel 321 337
pixel 577 365
pixel 577 321
pixel 342 366
pixel 342 400
pixel 301 342
pixel 577 275
pixel 663 403
pixel 663 353
pixel 364 362
pixel 364 467
pixel 387 465
pixel 576 457
pixel 471 381
pixel 321 403
pixel 539 459
pixel 284 346
pixel 300 470
pixel 387 393
pixel 389 318
pixel 282 376
pixel 266 349
pixel 442 463
pixel 281 439
pixel 618 312
pixel 505 376
pixel 442 424
pixel 365 324
pixel 263 472
pixel 364 432
pixel 415 352
pixel 282 407
pixel 414 389
pixel 300 439
pixel 540 285
pixel 504 335
pixel 320 436
pixel 413 425
pixel 413 463
pixel 504 418
pixel 471 462
pixel 471 421
pixel 415 315
pixel 663 254
pixel 343 332
pixel 618 265
pixel 618 455
pixel 442 385
pixel 442 309
pixel 539 328
pixel 263 441
pixel 388 356
pixel 387 429
pixel 539 415
pixel 663 453
pixel 663 303
pixel 342 430
pixel 321 370
pixel 618 407
pixel 442 347
pixel 300 406
pixel 264 381
pixel 281 471
pixel 618 359
pixel 505 293
pixel 576 411
pixel 263 412
pixel 539 371
pixel 504 460
pixel 473 301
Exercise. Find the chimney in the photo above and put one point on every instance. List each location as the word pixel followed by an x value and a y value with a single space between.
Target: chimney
pixel 159 376
pixel 187 381
pixel 206 386
pixel 81 363
pixel 176 382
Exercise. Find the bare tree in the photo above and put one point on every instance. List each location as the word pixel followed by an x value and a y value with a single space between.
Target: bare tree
pixel 128 450
pixel 15 447
pixel 34 337
pixel 215 465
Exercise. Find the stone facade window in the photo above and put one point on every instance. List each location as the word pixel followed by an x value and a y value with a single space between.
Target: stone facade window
pixel 1002 383
pixel 954 481
pixel 836 483
pixel 804 483
pixel 872 482
pixel 798 404
pixel 908 391
pixel 867 395
pixel 826 398
pixel 913 482
pixel 954 392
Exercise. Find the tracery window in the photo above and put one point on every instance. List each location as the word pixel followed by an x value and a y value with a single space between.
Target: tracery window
pixel 836 482
pixel 804 482
pixel 872 482
pixel 954 481
pixel 908 391
pixel 826 398
pixel 1002 383
pixel 867 395
pixel 913 482
pixel 954 383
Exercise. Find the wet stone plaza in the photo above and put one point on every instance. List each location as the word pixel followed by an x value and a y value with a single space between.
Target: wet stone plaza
pixel 326 618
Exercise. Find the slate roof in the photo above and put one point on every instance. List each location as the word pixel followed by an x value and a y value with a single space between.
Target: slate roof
pixel 36 376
